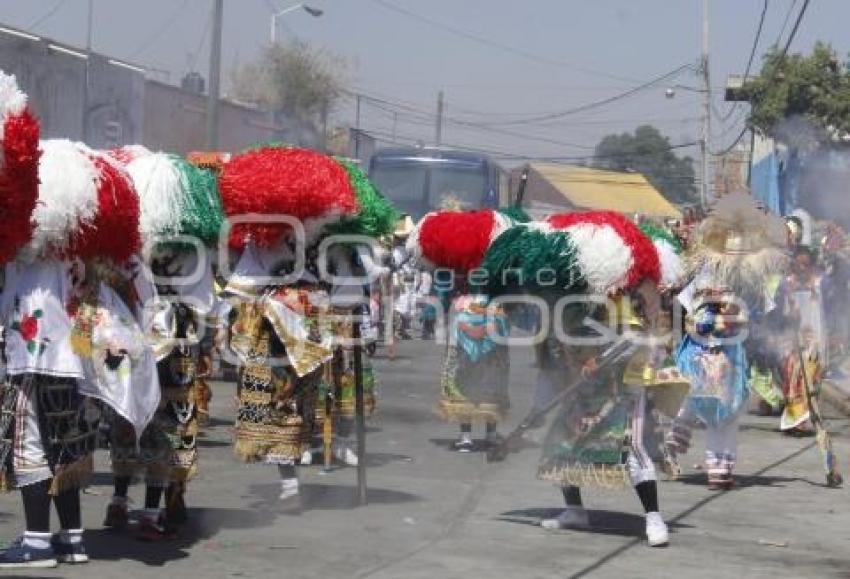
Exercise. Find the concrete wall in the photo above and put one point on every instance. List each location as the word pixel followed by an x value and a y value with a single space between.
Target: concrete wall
pixel 176 121
pixel 125 108
pixel 54 83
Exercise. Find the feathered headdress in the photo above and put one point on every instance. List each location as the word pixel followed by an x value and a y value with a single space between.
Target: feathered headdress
pixel 737 247
pixel 533 257
pixel 456 240
pixel 375 215
pixel 176 197
pixel 599 252
pixel 299 183
pixel 669 251
pixel 612 252
pixel 87 206
pixel 19 154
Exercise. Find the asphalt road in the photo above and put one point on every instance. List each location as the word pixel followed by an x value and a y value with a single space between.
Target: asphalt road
pixel 433 513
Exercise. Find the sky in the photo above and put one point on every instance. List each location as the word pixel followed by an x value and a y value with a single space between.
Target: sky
pixel 496 61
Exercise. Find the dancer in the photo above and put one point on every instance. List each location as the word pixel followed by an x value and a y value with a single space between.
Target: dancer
pixel 281 331
pixel 72 342
pixel 736 251
pixel 603 433
pixel 181 216
pixel 476 365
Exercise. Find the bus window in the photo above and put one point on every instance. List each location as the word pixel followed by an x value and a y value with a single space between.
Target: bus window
pixel 457 186
pixel 403 183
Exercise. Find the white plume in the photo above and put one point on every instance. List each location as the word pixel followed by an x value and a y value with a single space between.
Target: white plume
pixel 67 195
pixel 603 256
pixel 162 195
pixel 13 101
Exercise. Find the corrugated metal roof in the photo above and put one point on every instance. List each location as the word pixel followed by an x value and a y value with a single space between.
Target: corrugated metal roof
pixel 587 188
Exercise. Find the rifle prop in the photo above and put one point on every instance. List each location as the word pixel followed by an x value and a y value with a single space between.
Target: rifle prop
pixel 327 425
pixel 620 350
pixel 830 462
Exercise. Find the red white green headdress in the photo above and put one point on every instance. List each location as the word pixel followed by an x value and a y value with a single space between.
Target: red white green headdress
pixel 176 197
pixel 456 240
pixel 87 206
pixel 600 252
pixel 299 183
pixel 19 132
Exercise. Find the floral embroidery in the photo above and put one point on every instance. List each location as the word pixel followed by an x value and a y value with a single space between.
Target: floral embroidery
pixel 27 326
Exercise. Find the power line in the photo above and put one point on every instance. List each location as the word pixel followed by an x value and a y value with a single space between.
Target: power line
pixel 598 104
pixel 495 44
pixel 193 62
pixel 787 20
pixel 427 118
pixel 525 157
pixel 47 15
pixel 795 29
pixel 782 56
pixel 163 28
pixel 756 41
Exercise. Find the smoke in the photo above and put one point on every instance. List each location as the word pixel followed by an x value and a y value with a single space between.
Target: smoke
pixel 816 174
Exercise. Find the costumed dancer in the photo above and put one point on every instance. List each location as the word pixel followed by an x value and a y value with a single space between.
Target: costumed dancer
pixel 181 217
pixel 404 280
pixel 279 328
pixel 801 301
pixel 735 253
pixel 355 268
pixel 70 341
pixel 476 364
pixel 608 393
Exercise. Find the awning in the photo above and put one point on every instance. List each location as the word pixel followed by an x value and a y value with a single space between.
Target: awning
pixel 585 188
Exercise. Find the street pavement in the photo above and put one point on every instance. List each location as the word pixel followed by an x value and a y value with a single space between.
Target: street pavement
pixel 433 513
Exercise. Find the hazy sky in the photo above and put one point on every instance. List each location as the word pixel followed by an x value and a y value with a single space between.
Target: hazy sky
pixel 578 51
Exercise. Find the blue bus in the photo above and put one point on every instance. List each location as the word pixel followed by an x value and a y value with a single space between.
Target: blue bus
pixel 419 180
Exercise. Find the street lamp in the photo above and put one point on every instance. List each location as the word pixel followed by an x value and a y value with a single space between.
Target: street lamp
pixel 311 10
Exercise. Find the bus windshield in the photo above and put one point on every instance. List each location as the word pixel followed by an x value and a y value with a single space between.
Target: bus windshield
pixel 462 186
pixel 419 185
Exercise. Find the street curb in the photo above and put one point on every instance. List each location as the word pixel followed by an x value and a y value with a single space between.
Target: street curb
pixel 836 396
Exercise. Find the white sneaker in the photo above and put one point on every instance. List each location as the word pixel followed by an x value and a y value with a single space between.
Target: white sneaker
pixel 344 454
pixel 288 488
pixel 656 530
pixel 571 518
pixel 307 458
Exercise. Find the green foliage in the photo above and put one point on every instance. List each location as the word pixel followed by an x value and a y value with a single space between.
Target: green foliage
pixel 293 79
pixel 816 87
pixel 648 152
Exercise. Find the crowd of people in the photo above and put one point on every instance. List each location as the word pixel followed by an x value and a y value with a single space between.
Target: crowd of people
pixel 115 301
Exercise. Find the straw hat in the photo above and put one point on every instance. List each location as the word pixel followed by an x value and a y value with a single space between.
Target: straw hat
pixel 404 227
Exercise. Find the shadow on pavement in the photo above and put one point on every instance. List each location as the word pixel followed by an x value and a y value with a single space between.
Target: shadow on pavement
pixel 601 522
pixel 204 523
pixel 741 480
pixel 325 497
pixel 378 459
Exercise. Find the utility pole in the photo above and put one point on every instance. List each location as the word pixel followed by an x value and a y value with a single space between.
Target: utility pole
pixel 357 126
pixel 395 126
pixel 440 109
pixel 215 76
pixel 705 142
pixel 87 74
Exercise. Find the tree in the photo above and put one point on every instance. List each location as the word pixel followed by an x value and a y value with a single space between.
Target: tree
pixel 815 87
pixel 292 79
pixel 648 152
